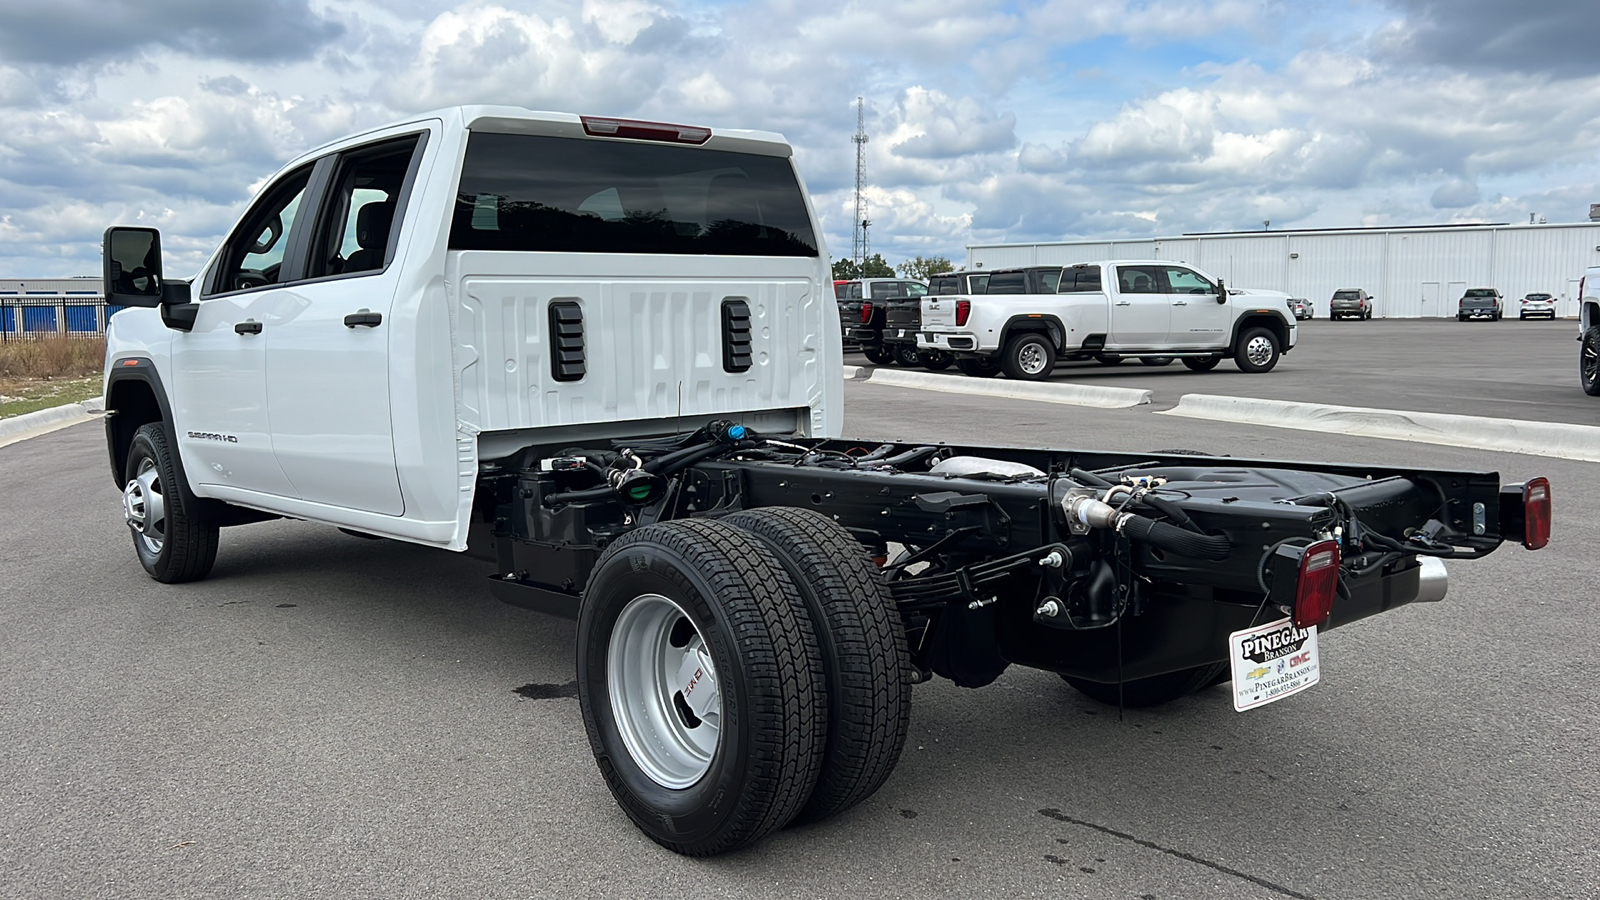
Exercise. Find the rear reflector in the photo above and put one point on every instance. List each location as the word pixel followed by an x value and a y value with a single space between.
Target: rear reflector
pixel 866 312
pixel 1536 513
pixel 1317 585
pixel 645 131
pixel 963 311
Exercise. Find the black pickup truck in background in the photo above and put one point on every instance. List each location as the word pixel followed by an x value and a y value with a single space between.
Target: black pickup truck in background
pixel 864 310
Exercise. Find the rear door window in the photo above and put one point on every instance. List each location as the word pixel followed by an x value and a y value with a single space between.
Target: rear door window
pixel 1140 280
pixel 1080 280
pixel 537 193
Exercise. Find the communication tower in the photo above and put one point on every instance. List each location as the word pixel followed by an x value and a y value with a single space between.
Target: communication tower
pixel 858 230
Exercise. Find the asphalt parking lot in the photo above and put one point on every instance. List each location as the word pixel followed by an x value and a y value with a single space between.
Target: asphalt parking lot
pixel 332 717
pixel 1507 369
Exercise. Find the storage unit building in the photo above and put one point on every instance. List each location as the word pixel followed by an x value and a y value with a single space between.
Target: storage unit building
pixel 1410 271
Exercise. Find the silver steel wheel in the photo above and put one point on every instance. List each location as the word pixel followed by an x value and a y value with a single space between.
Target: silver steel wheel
pixel 146 507
pixel 1259 350
pixel 664 693
pixel 1031 359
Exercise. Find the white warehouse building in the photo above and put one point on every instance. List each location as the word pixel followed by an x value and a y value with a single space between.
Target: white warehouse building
pixel 1411 271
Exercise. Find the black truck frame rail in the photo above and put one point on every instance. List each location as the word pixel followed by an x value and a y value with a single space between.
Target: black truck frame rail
pixel 1107 567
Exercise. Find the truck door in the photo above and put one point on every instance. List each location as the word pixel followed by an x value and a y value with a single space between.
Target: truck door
pixel 1141 314
pixel 328 357
pixel 218 378
pixel 1198 320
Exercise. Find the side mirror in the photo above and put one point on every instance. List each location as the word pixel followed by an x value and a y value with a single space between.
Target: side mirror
pixel 132 271
pixel 132 276
pixel 1222 292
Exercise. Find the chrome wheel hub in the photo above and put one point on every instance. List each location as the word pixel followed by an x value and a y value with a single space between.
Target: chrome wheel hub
pixel 1031 360
pixel 664 693
pixel 1259 350
pixel 145 506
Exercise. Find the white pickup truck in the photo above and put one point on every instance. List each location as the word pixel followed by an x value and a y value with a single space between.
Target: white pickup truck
pixel 604 355
pixel 1155 310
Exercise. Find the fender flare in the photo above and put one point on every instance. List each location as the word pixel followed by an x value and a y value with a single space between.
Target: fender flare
pixel 1046 322
pixel 1280 326
pixel 119 432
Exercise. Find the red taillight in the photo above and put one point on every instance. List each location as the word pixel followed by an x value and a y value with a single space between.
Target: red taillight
pixel 1317 585
pixel 1536 513
pixel 866 312
pixel 645 131
pixel 963 310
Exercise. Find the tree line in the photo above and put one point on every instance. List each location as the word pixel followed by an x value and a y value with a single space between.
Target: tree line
pixel 875 266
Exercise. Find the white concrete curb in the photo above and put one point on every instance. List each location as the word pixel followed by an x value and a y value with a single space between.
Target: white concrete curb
pixel 1556 439
pixel 1043 392
pixel 44 421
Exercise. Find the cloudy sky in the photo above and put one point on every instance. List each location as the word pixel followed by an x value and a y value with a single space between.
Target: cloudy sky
pixel 989 121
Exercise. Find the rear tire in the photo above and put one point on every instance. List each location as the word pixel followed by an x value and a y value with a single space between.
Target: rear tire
pixel 1589 361
pixel 1029 357
pixel 172 535
pixel 1201 363
pixel 906 355
pixel 878 355
pixel 1157 361
pixel 864 654
pixel 1257 351
pixel 1106 360
pixel 1155 690
pixel 979 367
pixel 937 360
pixel 699 604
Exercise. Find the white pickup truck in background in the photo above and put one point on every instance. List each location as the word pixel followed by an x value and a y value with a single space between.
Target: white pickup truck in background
pixel 1155 310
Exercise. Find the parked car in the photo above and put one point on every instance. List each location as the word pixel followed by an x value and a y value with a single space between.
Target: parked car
pixel 1481 302
pixel 1538 305
pixel 1589 334
pixel 1350 303
pixel 863 308
pixel 1301 307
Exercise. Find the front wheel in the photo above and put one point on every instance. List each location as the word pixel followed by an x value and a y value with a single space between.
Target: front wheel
pixel 937 360
pixel 173 538
pixel 701 685
pixel 1152 691
pixel 1257 351
pixel 1029 357
pixel 1589 361
pixel 978 367
pixel 1201 363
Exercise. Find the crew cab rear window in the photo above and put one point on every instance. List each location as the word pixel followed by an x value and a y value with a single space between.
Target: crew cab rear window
pixel 892 290
pixel 1008 283
pixel 1480 292
pixel 1077 280
pixel 531 192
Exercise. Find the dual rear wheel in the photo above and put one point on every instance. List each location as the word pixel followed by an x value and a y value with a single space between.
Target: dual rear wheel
pixel 739 675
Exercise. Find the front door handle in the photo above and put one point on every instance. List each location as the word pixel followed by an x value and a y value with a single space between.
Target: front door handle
pixel 1180 303
pixel 248 326
pixel 365 318
pixel 1124 302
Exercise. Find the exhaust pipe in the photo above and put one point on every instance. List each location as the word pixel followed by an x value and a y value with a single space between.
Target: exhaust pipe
pixel 1432 581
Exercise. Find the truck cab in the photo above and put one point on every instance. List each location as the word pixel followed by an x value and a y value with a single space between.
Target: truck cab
pixel 1155 310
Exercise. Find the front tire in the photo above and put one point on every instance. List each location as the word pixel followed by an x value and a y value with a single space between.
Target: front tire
pixel 701 685
pixel 1257 351
pixel 1155 690
pixel 1029 357
pixel 863 645
pixel 906 355
pixel 937 360
pixel 878 355
pixel 172 536
pixel 979 367
pixel 1589 361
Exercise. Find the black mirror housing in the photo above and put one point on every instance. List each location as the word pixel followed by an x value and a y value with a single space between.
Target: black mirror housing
pixel 132 266
pixel 1222 292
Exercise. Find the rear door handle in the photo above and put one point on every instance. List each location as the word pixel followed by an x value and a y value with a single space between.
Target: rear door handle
pixel 248 326
pixel 1124 302
pixel 365 317
pixel 1180 303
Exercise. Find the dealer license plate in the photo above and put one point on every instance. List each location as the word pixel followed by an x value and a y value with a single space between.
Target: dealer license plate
pixel 1272 661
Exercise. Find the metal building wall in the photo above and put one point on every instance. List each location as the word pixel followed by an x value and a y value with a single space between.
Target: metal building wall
pixel 1409 272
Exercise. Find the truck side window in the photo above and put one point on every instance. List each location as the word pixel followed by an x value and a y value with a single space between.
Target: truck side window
pixel 253 256
pixel 1049 280
pixel 1187 281
pixel 1080 280
pixel 361 212
pixel 1139 280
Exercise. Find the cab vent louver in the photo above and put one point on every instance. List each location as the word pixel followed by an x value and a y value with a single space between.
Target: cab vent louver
pixel 566 340
pixel 736 351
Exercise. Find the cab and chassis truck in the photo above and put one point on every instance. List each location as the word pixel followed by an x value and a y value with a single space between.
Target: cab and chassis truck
pixel 604 355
